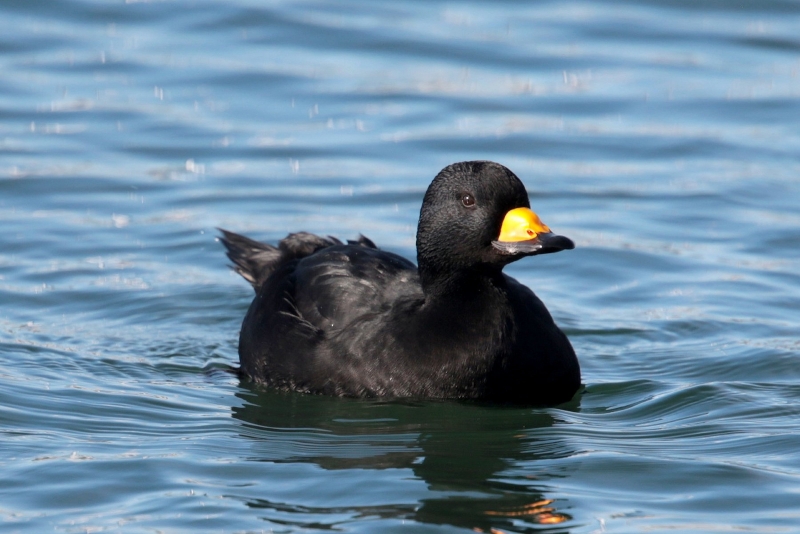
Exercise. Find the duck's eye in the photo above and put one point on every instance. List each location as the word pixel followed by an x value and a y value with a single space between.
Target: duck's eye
pixel 468 200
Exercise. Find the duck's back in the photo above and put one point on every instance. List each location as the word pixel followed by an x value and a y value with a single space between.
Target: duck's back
pixel 309 290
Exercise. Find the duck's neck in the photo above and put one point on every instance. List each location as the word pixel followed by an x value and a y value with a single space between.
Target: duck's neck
pixel 464 285
pixel 465 317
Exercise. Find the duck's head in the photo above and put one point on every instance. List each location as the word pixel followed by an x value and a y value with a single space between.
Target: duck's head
pixel 476 215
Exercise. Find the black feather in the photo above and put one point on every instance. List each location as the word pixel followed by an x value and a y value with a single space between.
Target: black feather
pixel 351 319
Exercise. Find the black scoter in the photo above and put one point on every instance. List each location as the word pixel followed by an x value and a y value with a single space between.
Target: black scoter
pixel 349 319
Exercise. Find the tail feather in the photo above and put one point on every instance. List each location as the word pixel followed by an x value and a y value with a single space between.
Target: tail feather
pixel 251 259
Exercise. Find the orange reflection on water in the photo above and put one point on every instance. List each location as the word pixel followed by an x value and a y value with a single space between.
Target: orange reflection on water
pixel 540 512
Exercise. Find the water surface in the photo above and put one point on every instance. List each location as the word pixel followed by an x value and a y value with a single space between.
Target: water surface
pixel 662 136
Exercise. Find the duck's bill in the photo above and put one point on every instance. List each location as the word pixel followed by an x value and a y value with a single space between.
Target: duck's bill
pixel 523 233
pixel 541 244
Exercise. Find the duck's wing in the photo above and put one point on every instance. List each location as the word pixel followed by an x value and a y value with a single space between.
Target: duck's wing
pixel 339 284
pixel 307 288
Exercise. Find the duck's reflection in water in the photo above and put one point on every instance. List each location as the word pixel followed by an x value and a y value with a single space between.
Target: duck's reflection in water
pixel 463 452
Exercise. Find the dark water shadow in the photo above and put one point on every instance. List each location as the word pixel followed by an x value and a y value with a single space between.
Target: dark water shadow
pixel 459 449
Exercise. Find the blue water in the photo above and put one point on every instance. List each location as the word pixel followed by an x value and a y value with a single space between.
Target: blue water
pixel 663 137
